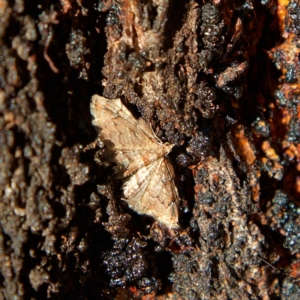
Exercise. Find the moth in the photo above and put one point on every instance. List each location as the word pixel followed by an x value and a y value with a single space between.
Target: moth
pixel 148 175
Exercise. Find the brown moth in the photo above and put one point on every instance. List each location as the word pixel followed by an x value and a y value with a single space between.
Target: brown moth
pixel 149 176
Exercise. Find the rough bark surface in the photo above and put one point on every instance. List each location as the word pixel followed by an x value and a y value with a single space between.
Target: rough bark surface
pixel 219 80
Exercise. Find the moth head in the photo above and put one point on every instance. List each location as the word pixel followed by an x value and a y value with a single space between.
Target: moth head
pixel 168 147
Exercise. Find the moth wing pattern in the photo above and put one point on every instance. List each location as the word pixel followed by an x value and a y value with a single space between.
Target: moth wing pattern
pixel 151 191
pixel 149 187
pixel 129 139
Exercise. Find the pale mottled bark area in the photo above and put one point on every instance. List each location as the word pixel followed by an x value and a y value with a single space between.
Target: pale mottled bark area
pixel 219 79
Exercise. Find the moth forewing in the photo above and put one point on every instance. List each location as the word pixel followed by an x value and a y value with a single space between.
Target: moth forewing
pixel 149 187
pixel 150 191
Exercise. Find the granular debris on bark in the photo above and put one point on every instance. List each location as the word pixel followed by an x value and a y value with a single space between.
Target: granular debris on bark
pixel 219 79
